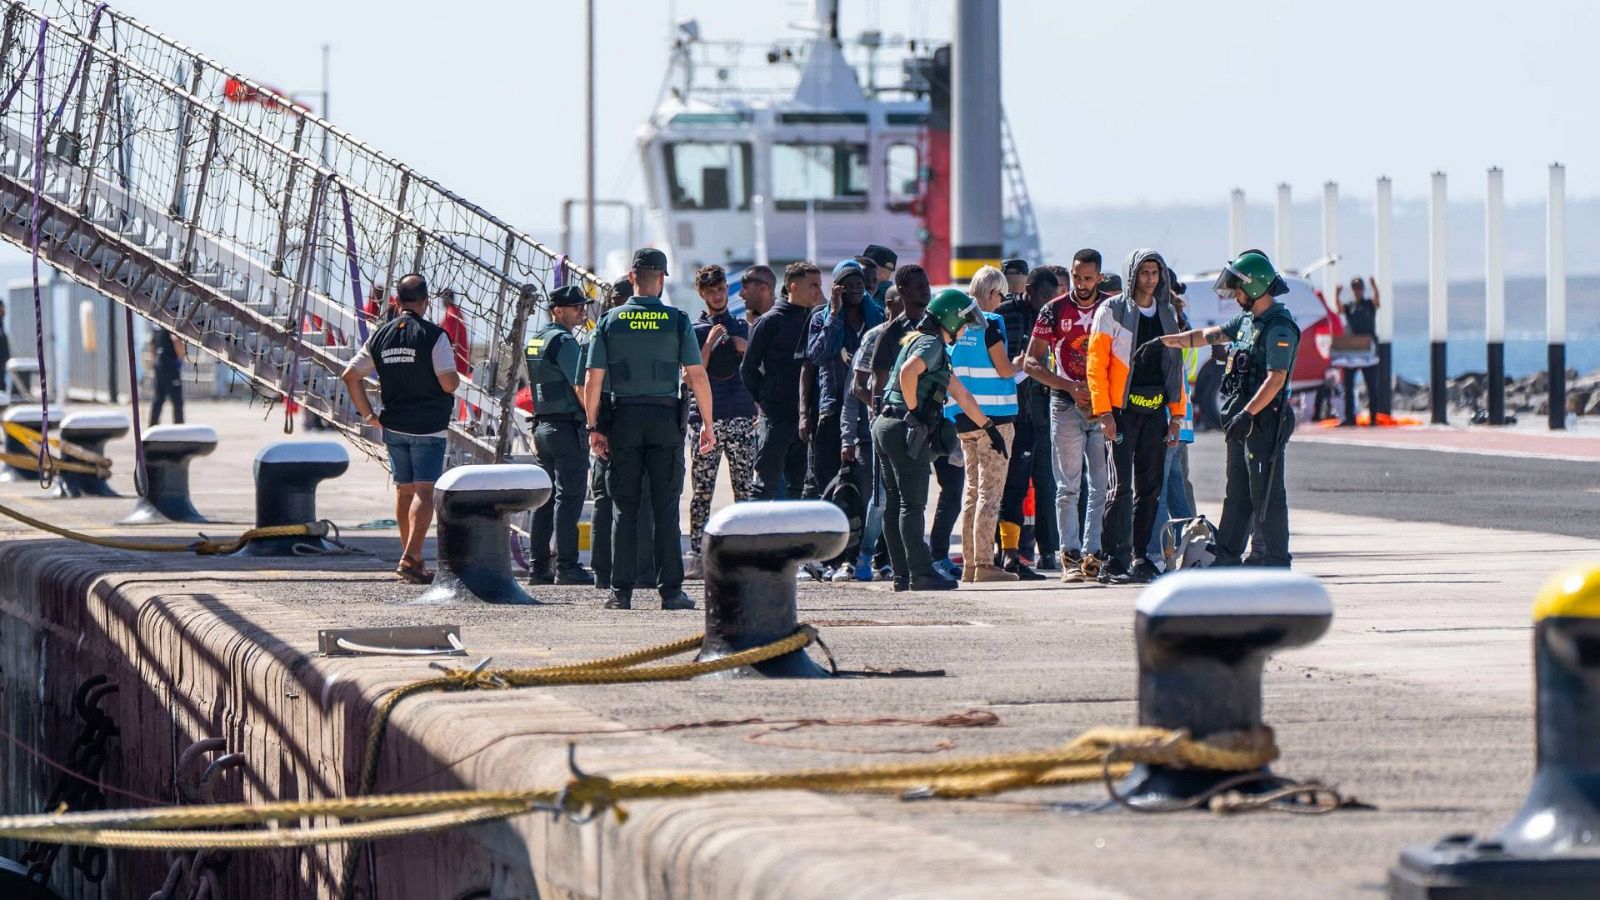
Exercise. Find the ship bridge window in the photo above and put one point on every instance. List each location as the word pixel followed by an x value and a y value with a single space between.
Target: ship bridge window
pixel 901 175
pixel 709 175
pixel 831 176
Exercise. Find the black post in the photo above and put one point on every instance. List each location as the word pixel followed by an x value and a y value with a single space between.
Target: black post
pixel 475 505
pixel 1497 383
pixel 1385 380
pixel 287 475
pixel 1557 367
pixel 111 355
pixel 1439 392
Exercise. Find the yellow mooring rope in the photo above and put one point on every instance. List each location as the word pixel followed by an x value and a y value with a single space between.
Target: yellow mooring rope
pixel 203 547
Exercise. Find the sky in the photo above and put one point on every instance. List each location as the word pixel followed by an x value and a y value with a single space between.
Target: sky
pixel 1132 104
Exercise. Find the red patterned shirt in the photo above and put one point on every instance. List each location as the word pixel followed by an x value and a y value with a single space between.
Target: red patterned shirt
pixel 1064 325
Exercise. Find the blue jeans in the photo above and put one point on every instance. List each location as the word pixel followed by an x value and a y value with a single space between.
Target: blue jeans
pixel 414 459
pixel 1174 501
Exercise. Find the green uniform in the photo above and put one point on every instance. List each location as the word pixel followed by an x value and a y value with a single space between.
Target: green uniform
pixel 1256 501
pixel 642 346
pixel 905 474
pixel 560 446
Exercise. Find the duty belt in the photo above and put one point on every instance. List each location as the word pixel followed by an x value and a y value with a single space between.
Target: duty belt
pixel 895 412
pixel 667 402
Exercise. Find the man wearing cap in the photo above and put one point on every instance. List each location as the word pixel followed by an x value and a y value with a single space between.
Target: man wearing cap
pixel 723 338
pixel 831 340
pixel 887 262
pixel 417 377
pixel 771 372
pixel 1262 340
pixel 1016 272
pixel 560 446
pixel 638 350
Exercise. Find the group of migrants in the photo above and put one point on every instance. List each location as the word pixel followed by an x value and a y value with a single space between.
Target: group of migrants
pixel 1053 386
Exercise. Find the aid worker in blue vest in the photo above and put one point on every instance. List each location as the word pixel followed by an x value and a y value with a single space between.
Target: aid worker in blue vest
pixel 637 352
pixel 1262 341
pixel 560 444
pixel 417 378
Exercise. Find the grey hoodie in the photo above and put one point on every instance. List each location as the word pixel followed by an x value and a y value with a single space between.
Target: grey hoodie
pixel 1124 312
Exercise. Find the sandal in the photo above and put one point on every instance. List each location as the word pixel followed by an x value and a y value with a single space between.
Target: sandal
pixel 413 570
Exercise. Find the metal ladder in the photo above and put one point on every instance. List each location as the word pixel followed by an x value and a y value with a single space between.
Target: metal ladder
pixel 232 224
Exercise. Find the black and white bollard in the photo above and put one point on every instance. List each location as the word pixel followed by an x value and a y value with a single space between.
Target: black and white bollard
pixel 1203 638
pixel 91 431
pixel 475 505
pixel 1551 849
pixel 22 378
pixel 28 415
pixel 752 554
pixel 287 475
pixel 168 450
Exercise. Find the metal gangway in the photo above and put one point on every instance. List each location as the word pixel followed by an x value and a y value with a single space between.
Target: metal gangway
pixel 219 209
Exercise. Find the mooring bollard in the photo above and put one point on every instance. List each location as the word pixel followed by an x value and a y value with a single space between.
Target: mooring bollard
pixel 28 416
pixel 287 475
pixel 22 373
pixel 91 431
pixel 475 504
pixel 168 450
pixel 1551 849
pixel 752 553
pixel 1203 638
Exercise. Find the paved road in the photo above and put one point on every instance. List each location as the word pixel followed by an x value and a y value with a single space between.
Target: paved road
pixel 1549 496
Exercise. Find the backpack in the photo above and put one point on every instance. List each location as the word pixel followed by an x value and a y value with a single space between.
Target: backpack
pixel 1185 543
pixel 845 493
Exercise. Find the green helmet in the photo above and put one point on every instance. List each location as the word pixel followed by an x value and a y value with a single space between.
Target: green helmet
pixel 1253 273
pixel 953 308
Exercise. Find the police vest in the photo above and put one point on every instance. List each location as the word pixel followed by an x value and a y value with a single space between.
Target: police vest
pixel 642 343
pixel 932 385
pixel 552 389
pixel 1247 356
pixel 402 352
pixel 969 358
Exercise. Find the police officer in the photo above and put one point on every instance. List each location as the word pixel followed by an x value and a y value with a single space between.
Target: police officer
pixel 637 352
pixel 555 370
pixel 912 428
pixel 1262 341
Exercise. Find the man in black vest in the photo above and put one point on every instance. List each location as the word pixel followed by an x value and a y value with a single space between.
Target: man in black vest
pixel 417 376
pixel 637 352
pixel 555 370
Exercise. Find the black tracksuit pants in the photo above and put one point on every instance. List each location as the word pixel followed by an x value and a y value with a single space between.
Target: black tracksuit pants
pixel 1140 463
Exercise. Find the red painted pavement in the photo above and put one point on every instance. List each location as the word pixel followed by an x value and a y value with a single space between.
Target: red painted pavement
pixel 1495 441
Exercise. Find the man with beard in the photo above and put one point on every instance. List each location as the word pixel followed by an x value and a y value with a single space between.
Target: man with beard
pixel 1262 341
pixel 723 338
pixel 771 372
pixel 1061 335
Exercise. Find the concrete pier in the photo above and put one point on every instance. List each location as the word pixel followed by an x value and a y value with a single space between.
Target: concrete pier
pixel 1428 653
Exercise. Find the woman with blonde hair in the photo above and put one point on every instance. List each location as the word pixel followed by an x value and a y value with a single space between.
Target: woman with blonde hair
pixel 979 360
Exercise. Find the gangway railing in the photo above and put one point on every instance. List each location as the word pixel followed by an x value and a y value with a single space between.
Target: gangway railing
pixel 255 230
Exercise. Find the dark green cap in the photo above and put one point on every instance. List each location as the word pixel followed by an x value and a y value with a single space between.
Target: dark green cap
pixel 650 258
pixel 571 295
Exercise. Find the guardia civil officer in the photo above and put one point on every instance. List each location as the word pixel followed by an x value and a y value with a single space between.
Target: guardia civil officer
pixel 1262 341
pixel 912 428
pixel 560 446
pixel 637 353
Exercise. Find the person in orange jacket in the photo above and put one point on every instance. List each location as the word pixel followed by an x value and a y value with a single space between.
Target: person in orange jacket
pixel 1136 393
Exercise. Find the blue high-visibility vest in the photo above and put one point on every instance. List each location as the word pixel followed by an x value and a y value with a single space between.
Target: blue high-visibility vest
pixel 969 359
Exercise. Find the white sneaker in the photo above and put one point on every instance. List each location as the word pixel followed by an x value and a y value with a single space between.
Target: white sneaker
pixel 842 573
pixel 693 566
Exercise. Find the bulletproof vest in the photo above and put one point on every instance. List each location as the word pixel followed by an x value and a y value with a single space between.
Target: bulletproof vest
pixel 552 389
pixel 932 385
pixel 1247 355
pixel 642 344
pixel 402 352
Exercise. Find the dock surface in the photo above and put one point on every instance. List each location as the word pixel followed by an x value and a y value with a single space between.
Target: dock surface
pixel 1418 701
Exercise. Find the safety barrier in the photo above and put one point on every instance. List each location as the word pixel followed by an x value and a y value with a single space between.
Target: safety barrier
pixel 475 505
pixel 168 451
pixel 752 554
pixel 1551 849
pixel 287 474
